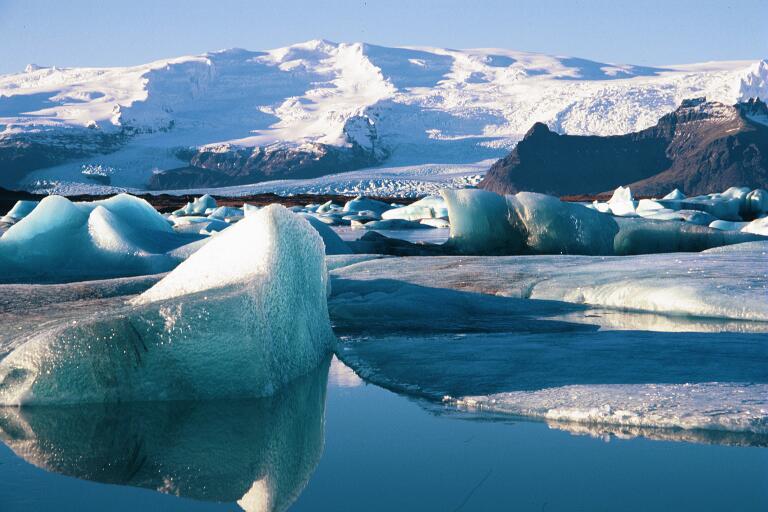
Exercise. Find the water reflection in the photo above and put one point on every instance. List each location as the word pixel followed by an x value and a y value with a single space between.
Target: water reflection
pixel 608 432
pixel 259 453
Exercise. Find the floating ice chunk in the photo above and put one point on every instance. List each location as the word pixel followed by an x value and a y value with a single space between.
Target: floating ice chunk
pixel 726 225
pixel 646 236
pixel 436 223
pixel 20 210
pixel 427 208
pixel 556 227
pixel 333 242
pixel 392 224
pixel 675 195
pixel 249 209
pixel 60 241
pixel 622 203
pixel 725 206
pixel 361 203
pixel 242 316
pixel 227 212
pixel 757 227
pixel 134 210
pixel 480 223
pixel 485 223
pixel 756 203
pixel 199 205
pixel 692 216
pixel 328 206
pixel 649 206
pixel 733 407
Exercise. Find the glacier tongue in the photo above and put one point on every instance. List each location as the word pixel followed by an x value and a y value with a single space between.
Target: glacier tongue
pixel 241 317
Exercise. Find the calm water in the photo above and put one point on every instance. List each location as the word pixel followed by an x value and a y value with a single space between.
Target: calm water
pixel 332 442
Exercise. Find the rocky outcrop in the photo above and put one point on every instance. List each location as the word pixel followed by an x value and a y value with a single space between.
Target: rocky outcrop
pixel 701 147
pixel 225 166
pixel 22 153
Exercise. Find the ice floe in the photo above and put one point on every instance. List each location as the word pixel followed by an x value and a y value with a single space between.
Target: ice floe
pixel 733 407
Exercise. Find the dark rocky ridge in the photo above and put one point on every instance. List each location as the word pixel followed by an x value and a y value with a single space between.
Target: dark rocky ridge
pixel 241 166
pixel 21 154
pixel 701 147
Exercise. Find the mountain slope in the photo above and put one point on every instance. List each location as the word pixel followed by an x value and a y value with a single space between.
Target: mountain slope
pixel 210 119
pixel 699 148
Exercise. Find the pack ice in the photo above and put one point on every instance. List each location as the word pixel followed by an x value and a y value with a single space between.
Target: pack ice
pixel 242 316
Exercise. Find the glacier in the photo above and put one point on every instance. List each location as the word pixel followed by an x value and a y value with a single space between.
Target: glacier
pixel 241 317
pixel 421 106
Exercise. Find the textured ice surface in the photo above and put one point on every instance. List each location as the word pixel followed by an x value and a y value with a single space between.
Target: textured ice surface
pixel 259 452
pixel 707 406
pixel 241 317
pixel 660 341
pixel 63 241
pixel 729 284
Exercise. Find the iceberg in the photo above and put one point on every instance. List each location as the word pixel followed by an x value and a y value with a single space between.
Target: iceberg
pixel 675 195
pixel 556 227
pixel 755 203
pixel 483 222
pixel 363 204
pixel 20 210
pixel 199 206
pixel 61 241
pixel 241 317
pixel 333 242
pixel 430 207
pixel 621 203
pixel 391 224
pixel 480 223
pixel 647 236
pixel 757 227
pixel 227 212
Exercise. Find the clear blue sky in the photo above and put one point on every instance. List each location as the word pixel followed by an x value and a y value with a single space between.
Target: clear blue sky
pixel 104 33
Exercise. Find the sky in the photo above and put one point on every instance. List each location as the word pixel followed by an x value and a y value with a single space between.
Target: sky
pixel 71 33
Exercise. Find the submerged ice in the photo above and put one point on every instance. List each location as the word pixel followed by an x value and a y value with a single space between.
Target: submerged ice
pixel 241 317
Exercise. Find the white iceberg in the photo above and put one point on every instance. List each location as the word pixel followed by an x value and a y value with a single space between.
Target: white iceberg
pixel 430 207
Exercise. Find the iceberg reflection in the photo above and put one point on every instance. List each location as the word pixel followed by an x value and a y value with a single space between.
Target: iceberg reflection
pixel 259 453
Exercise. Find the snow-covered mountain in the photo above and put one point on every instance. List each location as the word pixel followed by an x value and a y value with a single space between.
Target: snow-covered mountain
pixel 233 117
